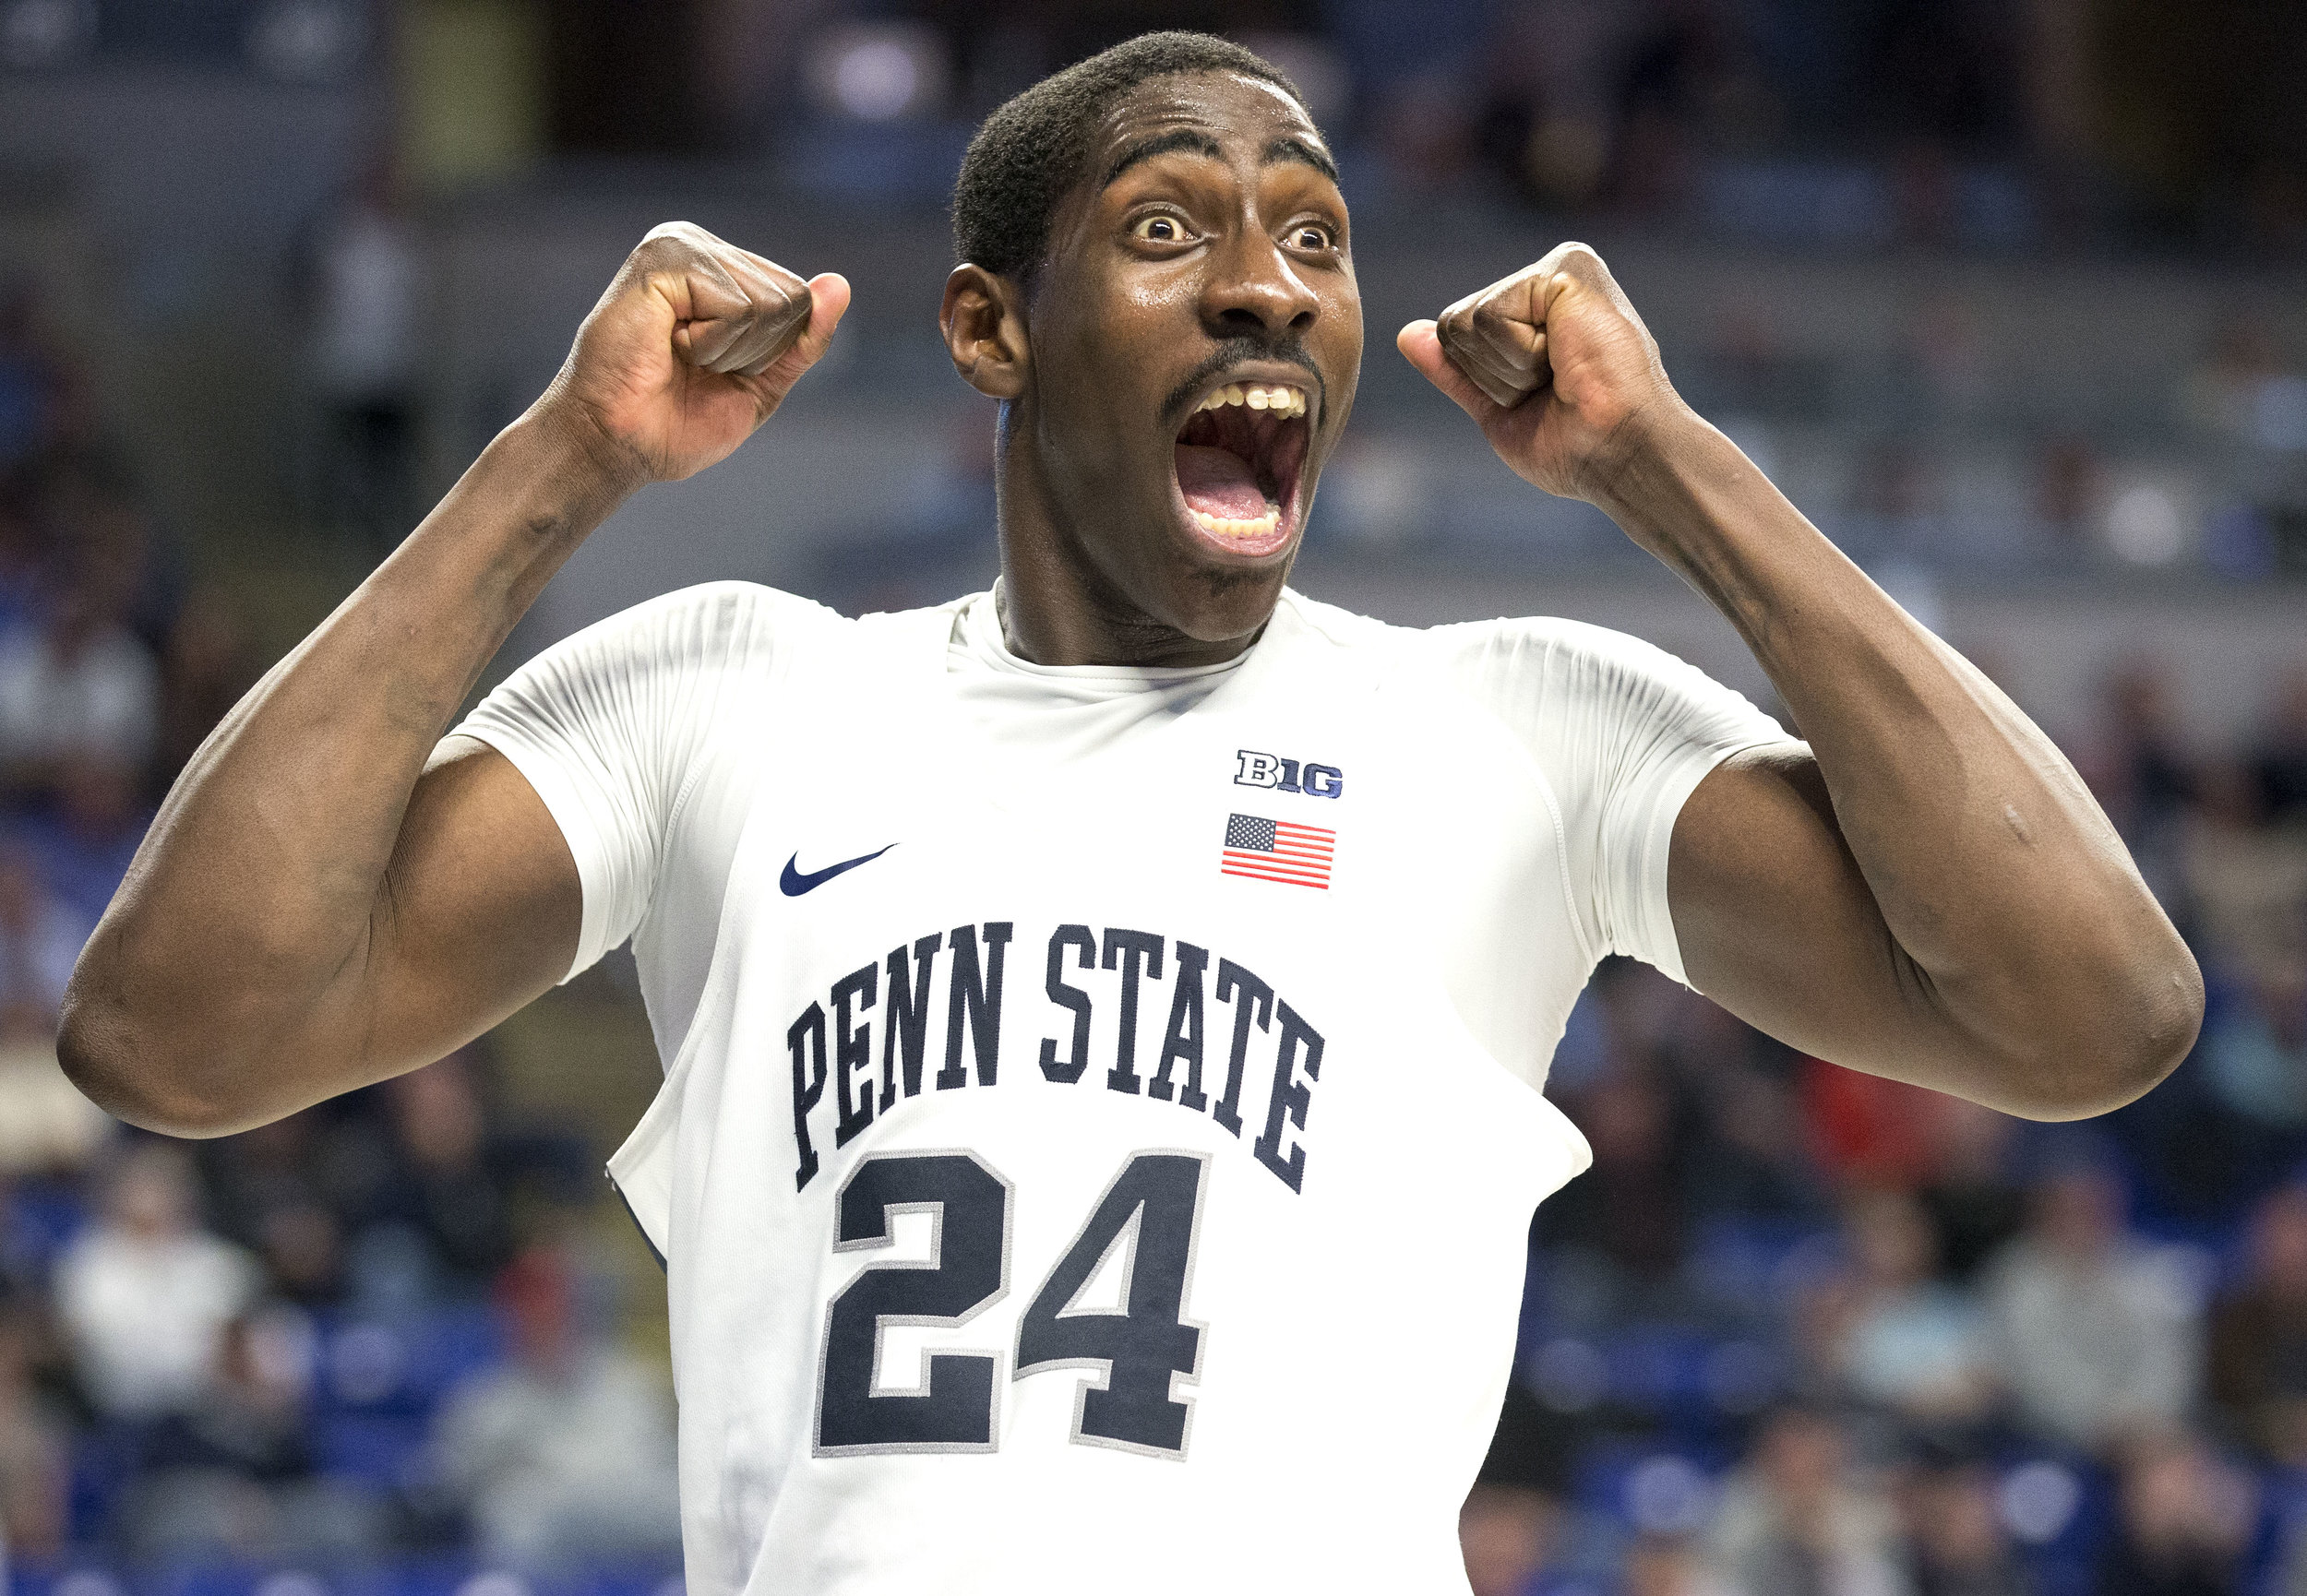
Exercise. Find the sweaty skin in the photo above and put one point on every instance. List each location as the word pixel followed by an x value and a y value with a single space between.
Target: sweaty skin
pixel 1098 562
pixel 331 895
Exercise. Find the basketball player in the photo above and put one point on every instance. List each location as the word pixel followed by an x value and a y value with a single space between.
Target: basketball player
pixel 1103 1017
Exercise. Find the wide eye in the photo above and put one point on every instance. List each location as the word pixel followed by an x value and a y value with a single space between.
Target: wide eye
pixel 1158 229
pixel 1310 236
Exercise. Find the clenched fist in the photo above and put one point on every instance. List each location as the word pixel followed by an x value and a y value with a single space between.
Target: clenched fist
pixel 1556 366
pixel 695 344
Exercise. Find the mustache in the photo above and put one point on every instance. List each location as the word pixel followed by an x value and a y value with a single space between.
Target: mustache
pixel 1234 352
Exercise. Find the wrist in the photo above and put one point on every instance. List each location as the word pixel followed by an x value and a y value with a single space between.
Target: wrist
pixel 567 445
pixel 1642 454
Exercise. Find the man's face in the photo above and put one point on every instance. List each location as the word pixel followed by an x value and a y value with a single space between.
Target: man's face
pixel 1200 266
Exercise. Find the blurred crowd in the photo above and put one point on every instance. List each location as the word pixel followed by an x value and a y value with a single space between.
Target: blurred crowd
pixel 110 673
pixel 374 1325
pixel 2057 121
pixel 1798 1330
pixel 1803 1331
pixel 1877 121
pixel 1798 1333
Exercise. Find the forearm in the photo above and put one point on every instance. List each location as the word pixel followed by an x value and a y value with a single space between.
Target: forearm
pixel 2027 947
pixel 247 917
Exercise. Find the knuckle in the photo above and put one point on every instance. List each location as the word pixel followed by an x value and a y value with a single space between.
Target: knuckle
pixel 1572 250
pixel 658 257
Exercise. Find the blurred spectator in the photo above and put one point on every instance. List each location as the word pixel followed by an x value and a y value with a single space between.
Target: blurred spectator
pixel 1551 64
pixel 1957 1542
pixel 268 1167
pixel 1752 1158
pixel 1668 1565
pixel 1622 1224
pixel 1513 1520
pixel 2095 1333
pixel 34 1459
pixel 2184 1518
pixel 1688 87
pixel 145 1295
pixel 565 1453
pixel 21 567
pixel 1506 1532
pixel 446 1185
pixel 47 1127
pixel 40 400
pixel 40 938
pixel 1968 1192
pixel 76 683
pixel 1912 1344
pixel 103 549
pixel 1867 1131
pixel 233 1474
pixel 365 346
pixel 2255 1044
pixel 2257 1371
pixel 303 1253
pixel 85 835
pixel 2246 882
pixel 204 671
pixel 1796 1517
pixel 2246 909
pixel 2141 771
pixel 2278 759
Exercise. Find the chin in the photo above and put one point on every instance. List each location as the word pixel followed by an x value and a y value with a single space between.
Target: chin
pixel 1221 595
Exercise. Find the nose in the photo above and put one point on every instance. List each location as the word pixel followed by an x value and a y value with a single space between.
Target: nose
pixel 1252 290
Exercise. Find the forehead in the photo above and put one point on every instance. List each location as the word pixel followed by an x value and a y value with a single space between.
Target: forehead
pixel 1226 105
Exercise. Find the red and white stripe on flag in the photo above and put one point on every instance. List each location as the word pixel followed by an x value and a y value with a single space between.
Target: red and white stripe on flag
pixel 1277 851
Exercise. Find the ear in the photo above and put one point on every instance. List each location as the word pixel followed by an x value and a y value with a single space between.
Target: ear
pixel 984 321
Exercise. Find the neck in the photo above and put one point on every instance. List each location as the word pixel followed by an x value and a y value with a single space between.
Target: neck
pixel 1057 608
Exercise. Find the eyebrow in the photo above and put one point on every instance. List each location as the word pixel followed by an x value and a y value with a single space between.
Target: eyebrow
pixel 1191 138
pixel 1197 142
pixel 1288 148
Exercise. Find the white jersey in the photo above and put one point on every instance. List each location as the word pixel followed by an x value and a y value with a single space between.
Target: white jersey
pixel 1102 1118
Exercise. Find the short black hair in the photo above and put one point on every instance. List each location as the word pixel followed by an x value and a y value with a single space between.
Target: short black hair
pixel 1030 152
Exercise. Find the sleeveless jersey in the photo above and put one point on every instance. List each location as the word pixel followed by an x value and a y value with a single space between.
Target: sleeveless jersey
pixel 1100 1120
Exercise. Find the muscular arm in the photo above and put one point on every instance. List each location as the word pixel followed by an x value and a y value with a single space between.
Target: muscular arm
pixel 1930 894
pixel 330 895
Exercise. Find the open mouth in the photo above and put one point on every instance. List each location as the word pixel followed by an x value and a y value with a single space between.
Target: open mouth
pixel 1239 457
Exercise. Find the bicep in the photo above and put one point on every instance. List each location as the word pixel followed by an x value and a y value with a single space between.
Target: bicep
pixel 478 914
pixel 1778 924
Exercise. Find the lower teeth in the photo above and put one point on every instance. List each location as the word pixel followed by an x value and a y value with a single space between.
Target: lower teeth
pixel 1225 526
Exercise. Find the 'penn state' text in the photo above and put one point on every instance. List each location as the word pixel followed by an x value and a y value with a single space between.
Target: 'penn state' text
pixel 832 1041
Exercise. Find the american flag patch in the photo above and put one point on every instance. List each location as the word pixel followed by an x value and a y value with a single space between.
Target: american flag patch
pixel 1277 851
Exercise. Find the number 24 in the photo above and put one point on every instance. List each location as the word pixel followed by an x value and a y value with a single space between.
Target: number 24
pixel 1136 1351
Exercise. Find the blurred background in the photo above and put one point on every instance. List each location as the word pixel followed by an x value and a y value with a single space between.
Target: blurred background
pixel 2011 295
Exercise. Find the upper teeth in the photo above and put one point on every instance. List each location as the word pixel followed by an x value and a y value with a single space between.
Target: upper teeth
pixel 1278 397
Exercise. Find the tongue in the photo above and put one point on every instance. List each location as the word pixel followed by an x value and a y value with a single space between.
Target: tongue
pixel 1218 482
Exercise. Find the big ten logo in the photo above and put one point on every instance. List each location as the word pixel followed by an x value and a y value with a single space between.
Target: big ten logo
pixel 1272 771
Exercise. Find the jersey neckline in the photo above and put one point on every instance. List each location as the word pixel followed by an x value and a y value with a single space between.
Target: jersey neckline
pixel 976 640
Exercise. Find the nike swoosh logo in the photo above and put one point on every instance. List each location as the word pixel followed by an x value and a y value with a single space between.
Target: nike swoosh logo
pixel 792 883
